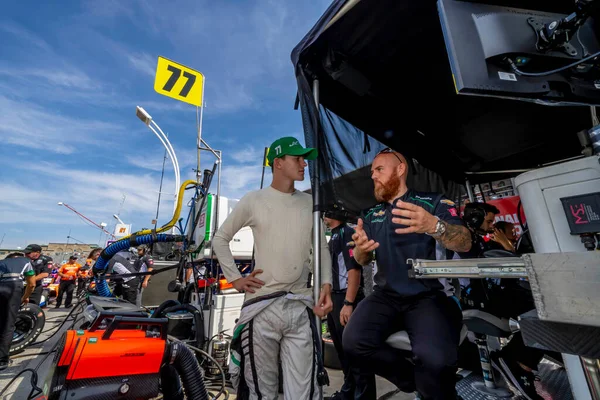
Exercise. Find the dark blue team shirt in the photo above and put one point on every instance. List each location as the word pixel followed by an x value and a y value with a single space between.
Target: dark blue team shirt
pixel 395 249
pixel 342 261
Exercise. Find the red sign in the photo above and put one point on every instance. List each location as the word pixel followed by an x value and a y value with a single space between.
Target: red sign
pixel 508 211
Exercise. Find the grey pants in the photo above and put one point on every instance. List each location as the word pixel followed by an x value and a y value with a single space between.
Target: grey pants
pixel 138 301
pixel 280 331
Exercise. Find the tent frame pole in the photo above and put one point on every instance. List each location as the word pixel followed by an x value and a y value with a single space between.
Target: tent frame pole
pixel 469 191
pixel 317 226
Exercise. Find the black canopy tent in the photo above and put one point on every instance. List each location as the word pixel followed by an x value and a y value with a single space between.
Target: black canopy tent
pixel 375 73
pixel 384 79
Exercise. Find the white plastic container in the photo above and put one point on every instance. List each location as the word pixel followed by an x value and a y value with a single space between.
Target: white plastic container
pixel 541 190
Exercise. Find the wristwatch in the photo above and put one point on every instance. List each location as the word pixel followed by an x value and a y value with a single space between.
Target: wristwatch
pixel 348 303
pixel 440 229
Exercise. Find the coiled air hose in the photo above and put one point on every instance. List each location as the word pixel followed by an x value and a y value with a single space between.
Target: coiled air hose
pixel 182 360
pixel 107 253
pixel 146 236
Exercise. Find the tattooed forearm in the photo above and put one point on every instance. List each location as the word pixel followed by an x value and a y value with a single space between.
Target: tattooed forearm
pixel 456 238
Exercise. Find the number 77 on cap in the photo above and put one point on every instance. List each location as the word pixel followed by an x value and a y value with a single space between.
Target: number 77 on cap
pixel 179 82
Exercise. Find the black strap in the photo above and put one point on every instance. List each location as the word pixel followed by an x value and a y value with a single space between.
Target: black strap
pixel 322 377
pixel 135 274
pixel 252 361
pixel 265 297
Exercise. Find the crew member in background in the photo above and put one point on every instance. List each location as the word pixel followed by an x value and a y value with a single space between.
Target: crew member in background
pixel 503 298
pixel 124 262
pixel 479 218
pixel 406 225
pixel 505 235
pixel 83 275
pixel 13 270
pixel 42 265
pixel 68 275
pixel 276 321
pixel 94 255
pixel 144 263
pixel 347 293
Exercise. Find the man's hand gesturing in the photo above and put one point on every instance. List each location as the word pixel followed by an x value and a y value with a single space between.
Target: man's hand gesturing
pixel 246 284
pixel 363 246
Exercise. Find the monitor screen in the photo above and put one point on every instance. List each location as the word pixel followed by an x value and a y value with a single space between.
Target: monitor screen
pixel 485 43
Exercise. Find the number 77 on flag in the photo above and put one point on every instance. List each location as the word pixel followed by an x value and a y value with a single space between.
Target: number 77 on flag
pixel 179 82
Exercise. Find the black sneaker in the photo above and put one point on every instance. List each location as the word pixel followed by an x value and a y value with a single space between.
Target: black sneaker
pixel 522 380
pixel 335 396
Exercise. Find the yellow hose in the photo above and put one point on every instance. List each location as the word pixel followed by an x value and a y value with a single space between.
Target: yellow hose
pixel 176 214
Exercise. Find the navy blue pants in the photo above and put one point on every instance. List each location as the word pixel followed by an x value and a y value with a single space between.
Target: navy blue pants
pixel 433 322
pixel 337 330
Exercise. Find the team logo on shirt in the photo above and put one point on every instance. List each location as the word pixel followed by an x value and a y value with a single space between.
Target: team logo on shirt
pixel 379 213
pixel 453 212
pixel 423 199
pixel 447 202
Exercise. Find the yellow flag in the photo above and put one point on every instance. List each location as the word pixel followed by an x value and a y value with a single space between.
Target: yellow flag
pixel 179 82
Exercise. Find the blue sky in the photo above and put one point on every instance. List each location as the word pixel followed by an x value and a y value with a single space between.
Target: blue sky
pixel 72 73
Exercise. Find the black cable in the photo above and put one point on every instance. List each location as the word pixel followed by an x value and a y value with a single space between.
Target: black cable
pixel 35 390
pixel 61 325
pixel 33 381
pixel 517 71
pixel 34 386
pixel 205 354
pixel 67 318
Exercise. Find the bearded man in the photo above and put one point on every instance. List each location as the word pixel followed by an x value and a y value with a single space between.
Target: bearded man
pixel 405 225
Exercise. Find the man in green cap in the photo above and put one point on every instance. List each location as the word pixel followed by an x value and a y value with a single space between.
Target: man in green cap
pixel 277 320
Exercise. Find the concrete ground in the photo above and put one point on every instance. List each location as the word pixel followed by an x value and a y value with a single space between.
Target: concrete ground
pixel 34 355
pixel 384 387
pixel 31 357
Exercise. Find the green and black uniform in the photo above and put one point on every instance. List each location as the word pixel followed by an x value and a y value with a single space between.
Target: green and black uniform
pixel 12 273
pixel 342 261
pixel 40 266
pixel 421 307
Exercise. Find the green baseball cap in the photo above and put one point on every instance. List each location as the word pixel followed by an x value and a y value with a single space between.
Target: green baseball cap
pixel 289 146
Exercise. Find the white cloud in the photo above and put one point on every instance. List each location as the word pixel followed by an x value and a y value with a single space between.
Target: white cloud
pixel 72 78
pixel 228 97
pixel 28 125
pixel 143 62
pixel 153 160
pixel 238 180
pixel 23 34
pixel 248 155
pixel 96 194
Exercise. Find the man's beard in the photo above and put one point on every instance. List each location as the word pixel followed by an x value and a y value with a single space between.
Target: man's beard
pixel 385 192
